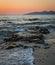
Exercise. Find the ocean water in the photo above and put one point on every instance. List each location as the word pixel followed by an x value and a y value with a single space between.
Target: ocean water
pixel 17 24
pixel 17 56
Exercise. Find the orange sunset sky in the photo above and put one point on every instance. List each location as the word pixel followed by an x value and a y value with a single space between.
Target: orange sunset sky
pixel 24 6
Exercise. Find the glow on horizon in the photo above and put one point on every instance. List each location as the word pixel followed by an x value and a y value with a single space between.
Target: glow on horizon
pixel 23 6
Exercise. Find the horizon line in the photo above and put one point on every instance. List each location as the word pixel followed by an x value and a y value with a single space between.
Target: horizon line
pixel 26 12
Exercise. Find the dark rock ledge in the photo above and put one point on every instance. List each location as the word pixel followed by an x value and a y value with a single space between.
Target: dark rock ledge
pixel 32 35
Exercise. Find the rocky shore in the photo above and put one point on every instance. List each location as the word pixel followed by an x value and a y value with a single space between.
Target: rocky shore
pixel 32 38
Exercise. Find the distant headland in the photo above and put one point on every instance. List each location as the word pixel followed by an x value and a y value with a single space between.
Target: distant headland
pixel 42 13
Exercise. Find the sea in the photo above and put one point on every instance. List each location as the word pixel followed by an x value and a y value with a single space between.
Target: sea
pixel 18 23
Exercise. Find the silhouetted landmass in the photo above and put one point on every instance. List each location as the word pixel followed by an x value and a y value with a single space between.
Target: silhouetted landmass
pixel 42 13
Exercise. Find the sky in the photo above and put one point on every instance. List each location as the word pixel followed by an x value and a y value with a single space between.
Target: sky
pixel 24 6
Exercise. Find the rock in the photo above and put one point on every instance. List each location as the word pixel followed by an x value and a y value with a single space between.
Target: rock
pixel 9 22
pixel 34 19
pixel 38 29
pixel 14 46
pixel 36 46
pixel 24 37
pixel 36 38
pixel 31 37
pixel 46 47
pixel 26 64
pixel 33 30
pixel 20 45
pixel 12 37
pixel 44 31
pixel 46 44
pixel 10 47
pixel 25 47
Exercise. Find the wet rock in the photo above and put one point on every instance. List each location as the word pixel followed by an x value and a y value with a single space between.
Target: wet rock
pixel 33 19
pixel 10 47
pixel 12 37
pixel 20 45
pixel 46 47
pixel 14 46
pixel 36 38
pixel 46 44
pixel 38 29
pixel 26 64
pixel 3 20
pixel 9 22
pixel 31 38
pixel 25 47
pixel 36 46
pixel 33 30
pixel 24 37
pixel 44 31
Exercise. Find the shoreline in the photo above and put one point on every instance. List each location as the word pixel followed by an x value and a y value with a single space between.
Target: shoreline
pixel 45 56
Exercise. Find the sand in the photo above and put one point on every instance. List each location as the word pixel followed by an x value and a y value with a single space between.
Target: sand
pixel 45 56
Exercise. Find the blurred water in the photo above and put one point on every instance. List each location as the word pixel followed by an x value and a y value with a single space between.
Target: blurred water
pixel 18 23
pixel 16 56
